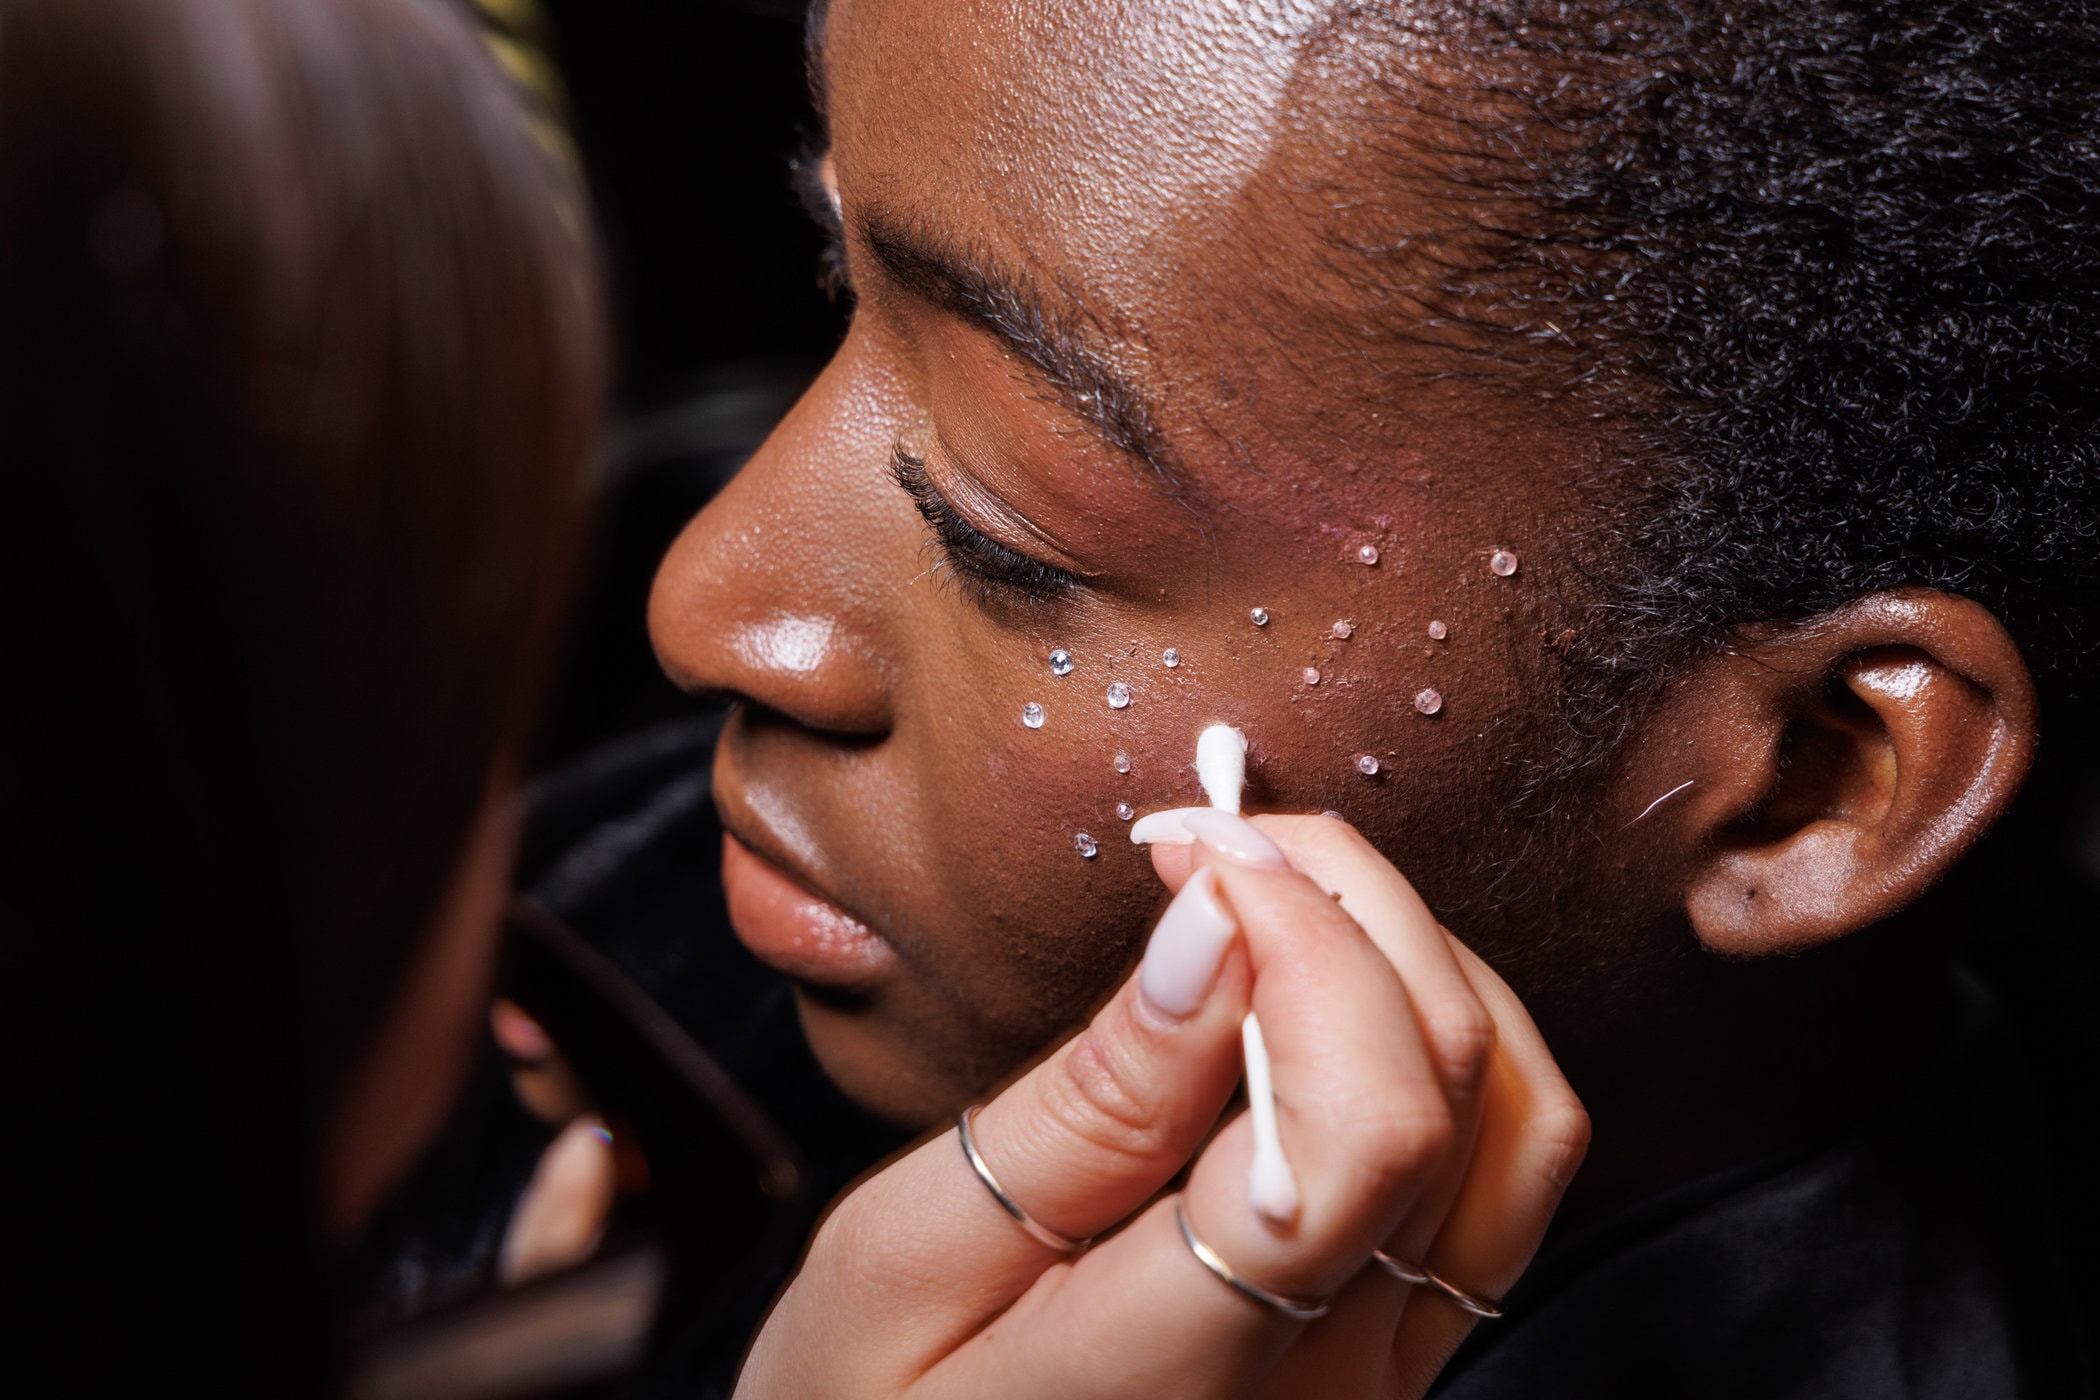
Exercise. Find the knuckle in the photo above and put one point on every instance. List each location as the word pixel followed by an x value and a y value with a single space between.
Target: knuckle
pixel 1561 1130
pixel 1462 1038
pixel 1397 1144
pixel 1100 1096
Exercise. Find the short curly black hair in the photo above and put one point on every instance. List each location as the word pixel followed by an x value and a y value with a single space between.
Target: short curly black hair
pixel 1835 264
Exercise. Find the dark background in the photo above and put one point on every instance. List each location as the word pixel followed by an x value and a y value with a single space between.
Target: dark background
pixel 688 114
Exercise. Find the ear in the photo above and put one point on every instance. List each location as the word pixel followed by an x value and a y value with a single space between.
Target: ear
pixel 1843 765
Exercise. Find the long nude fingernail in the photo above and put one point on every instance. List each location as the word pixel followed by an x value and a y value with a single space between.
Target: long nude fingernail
pixel 1164 827
pixel 1235 838
pixel 1187 948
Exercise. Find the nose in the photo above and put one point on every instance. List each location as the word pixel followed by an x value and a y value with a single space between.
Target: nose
pixel 769 593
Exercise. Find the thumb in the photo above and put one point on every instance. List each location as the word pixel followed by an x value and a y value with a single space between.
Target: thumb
pixel 1093 1132
pixel 922 1255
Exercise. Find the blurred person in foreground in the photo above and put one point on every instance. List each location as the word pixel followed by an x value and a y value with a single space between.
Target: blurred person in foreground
pixel 300 362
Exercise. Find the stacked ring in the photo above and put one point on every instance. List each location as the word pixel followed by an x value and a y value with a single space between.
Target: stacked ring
pixel 1299 1309
pixel 1416 1274
pixel 1049 1237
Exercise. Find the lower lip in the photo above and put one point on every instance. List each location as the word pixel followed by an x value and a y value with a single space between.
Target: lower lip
pixel 788 928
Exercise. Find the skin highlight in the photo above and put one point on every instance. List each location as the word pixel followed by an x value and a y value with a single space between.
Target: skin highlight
pixel 1237 451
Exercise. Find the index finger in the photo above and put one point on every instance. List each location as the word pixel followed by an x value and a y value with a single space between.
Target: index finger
pixel 1336 857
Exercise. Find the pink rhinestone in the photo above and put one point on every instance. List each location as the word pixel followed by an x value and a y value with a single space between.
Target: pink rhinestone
pixel 1367 554
pixel 1343 631
pixel 1438 631
pixel 1502 563
pixel 1312 677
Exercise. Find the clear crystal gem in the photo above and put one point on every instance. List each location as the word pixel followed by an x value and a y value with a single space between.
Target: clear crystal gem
pixel 1060 662
pixel 1428 701
pixel 1118 695
pixel 1086 846
pixel 1032 715
pixel 1367 765
pixel 1502 563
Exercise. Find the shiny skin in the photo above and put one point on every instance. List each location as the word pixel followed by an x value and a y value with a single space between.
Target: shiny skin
pixel 1171 179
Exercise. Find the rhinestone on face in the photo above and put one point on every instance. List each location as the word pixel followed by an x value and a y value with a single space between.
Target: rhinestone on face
pixel 1502 563
pixel 1367 765
pixel 1170 657
pixel 1122 763
pixel 1125 811
pixel 1367 554
pixel 1438 631
pixel 1259 617
pixel 1118 695
pixel 1336 815
pixel 1343 631
pixel 1087 847
pixel 1032 715
pixel 1428 701
pixel 1060 662
pixel 1312 676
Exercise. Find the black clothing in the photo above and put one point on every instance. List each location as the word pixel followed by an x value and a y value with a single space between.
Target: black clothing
pixel 1918 1256
pixel 1914 1257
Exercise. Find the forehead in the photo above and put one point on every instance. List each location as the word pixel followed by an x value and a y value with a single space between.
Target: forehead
pixel 1104 138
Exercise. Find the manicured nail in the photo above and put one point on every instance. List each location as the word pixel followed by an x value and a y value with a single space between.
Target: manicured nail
pixel 1235 838
pixel 1164 827
pixel 1187 948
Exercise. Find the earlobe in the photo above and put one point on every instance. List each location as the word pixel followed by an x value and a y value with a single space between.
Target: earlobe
pixel 1854 759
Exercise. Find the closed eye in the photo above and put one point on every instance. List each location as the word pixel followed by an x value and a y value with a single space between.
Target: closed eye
pixel 990 570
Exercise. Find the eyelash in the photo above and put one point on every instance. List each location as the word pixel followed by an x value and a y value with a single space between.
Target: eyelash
pixel 989 570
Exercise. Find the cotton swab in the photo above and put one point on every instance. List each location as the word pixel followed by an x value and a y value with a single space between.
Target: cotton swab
pixel 1272 1188
pixel 1221 766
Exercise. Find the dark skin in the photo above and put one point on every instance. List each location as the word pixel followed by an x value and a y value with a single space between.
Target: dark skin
pixel 1189 431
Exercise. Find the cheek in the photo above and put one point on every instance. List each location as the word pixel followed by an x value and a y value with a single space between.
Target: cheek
pixel 1376 685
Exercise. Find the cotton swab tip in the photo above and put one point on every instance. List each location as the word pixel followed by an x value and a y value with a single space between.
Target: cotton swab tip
pixel 1221 765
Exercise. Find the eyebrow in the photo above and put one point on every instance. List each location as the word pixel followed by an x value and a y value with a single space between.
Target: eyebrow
pixel 1003 307
pixel 1008 309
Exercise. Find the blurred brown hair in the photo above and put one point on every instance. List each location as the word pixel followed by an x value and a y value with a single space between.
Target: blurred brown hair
pixel 301 359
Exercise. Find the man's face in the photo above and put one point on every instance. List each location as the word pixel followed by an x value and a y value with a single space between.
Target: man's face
pixel 1107 393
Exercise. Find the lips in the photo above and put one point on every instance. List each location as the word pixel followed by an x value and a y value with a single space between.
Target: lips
pixel 790 929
